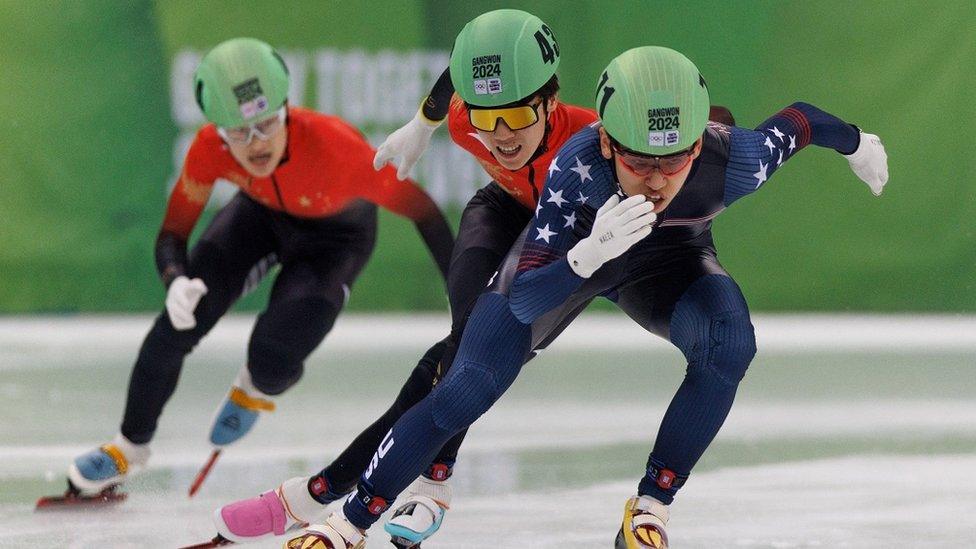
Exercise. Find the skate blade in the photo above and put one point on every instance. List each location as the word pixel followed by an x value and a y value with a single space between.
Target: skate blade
pixel 204 471
pixel 72 499
pixel 403 543
pixel 621 542
pixel 218 541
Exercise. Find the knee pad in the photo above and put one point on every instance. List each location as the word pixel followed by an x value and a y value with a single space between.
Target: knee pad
pixel 276 381
pixel 490 357
pixel 467 394
pixel 283 338
pixel 712 328
pixel 732 345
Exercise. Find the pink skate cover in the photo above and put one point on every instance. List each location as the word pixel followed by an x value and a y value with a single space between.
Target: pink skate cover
pixel 256 516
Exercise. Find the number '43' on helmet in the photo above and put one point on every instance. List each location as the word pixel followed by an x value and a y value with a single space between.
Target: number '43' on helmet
pixel 501 57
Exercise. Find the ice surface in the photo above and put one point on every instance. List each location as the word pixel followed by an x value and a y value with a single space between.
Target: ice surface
pixel 847 432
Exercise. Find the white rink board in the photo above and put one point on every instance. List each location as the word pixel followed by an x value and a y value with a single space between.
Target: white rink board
pixel 773 332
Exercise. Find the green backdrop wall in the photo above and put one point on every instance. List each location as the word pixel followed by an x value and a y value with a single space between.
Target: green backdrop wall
pixel 94 101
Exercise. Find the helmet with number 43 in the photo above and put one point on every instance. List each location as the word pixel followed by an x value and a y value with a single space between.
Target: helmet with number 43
pixel 503 57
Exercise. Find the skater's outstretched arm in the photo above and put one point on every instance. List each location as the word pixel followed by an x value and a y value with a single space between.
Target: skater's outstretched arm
pixel 755 155
pixel 406 198
pixel 356 178
pixel 409 142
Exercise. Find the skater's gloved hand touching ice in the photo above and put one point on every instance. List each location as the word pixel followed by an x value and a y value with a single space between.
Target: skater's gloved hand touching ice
pixel 181 300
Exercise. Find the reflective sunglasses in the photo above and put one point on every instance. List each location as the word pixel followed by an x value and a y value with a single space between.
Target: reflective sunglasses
pixel 645 164
pixel 263 130
pixel 516 118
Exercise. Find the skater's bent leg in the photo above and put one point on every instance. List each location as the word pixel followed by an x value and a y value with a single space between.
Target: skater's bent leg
pixel 343 473
pixel 470 271
pixel 157 368
pixel 711 326
pixel 491 354
pixel 154 378
pixel 283 337
pixel 304 303
pixel 442 467
pixel 300 312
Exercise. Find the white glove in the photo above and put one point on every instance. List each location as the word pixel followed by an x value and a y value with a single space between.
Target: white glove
pixel 870 162
pixel 617 227
pixel 181 299
pixel 408 143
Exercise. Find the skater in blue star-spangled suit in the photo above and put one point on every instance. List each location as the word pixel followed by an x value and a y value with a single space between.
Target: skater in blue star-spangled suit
pixel 659 173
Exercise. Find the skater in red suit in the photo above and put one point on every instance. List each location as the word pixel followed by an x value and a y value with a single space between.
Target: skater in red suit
pixel 306 202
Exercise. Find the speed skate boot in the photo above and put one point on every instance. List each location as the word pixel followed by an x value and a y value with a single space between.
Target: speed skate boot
pixel 239 411
pixel 107 466
pixel 645 519
pixel 273 513
pixel 335 533
pixel 421 513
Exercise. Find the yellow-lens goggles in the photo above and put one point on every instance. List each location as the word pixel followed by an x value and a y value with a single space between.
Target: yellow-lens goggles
pixel 516 118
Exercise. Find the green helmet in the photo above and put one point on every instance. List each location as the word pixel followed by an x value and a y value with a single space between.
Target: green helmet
pixel 241 81
pixel 653 100
pixel 501 57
